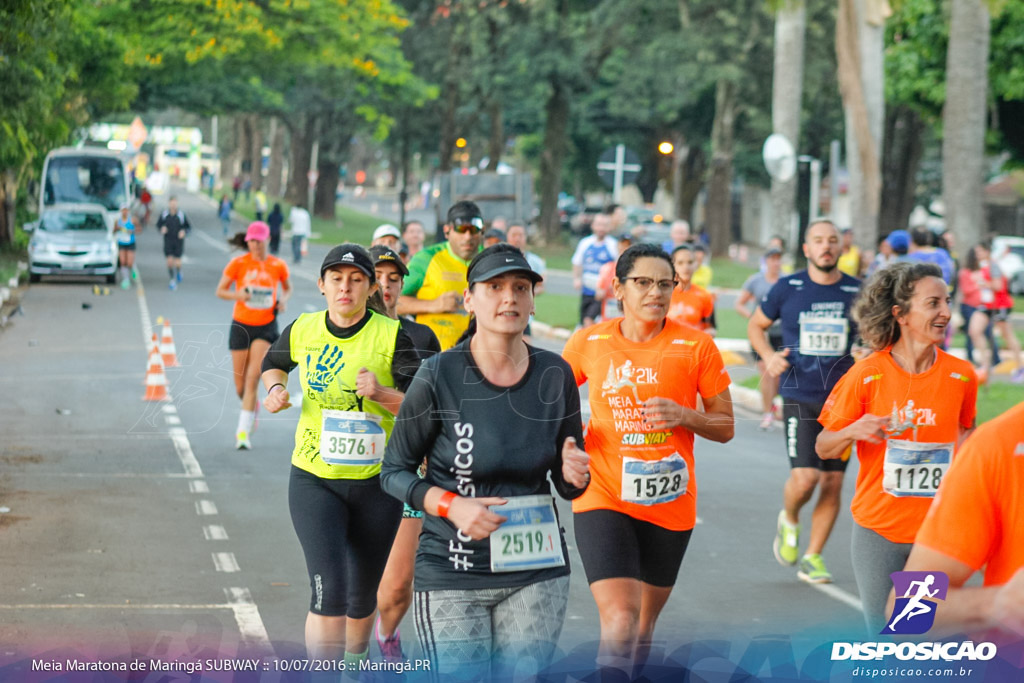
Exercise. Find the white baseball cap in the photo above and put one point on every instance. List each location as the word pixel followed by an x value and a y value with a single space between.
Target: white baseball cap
pixel 385 230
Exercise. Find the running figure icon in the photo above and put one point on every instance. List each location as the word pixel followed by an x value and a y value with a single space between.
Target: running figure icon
pixel 916 605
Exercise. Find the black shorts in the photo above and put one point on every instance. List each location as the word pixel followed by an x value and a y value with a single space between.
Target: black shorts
pixel 174 248
pixel 996 315
pixel 589 307
pixel 346 528
pixel 614 545
pixel 801 431
pixel 126 247
pixel 775 340
pixel 241 336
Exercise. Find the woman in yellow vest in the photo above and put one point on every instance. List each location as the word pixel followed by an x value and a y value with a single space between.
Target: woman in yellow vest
pixel 354 364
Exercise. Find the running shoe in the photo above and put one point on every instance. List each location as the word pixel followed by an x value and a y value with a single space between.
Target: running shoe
pixel 787 541
pixel 812 569
pixel 125 284
pixel 173 285
pixel 390 647
pixel 242 441
pixel 1018 376
pixel 766 422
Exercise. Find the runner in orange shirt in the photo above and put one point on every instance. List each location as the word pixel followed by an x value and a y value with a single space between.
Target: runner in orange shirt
pixel 908 406
pixel 691 305
pixel 646 373
pixel 977 520
pixel 255 276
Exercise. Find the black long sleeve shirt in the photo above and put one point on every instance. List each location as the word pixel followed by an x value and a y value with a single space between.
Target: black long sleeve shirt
pixel 480 440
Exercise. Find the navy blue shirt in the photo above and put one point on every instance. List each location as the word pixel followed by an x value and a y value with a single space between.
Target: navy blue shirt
pixel 817 330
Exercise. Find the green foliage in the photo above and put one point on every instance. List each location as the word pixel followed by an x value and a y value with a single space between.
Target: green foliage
pixel 58 67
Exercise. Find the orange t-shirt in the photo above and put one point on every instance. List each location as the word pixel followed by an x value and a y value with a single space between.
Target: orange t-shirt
pixel 691 306
pixel 978 516
pixel 645 473
pixel 926 412
pixel 262 278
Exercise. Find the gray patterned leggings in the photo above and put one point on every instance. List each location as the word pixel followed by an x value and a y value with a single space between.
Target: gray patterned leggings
pixel 493 632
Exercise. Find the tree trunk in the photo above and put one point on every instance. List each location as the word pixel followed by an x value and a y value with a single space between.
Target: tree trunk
pixel 963 120
pixel 552 158
pixel 719 217
pixel 692 172
pixel 302 132
pixel 859 49
pixel 787 95
pixel 324 198
pixel 904 131
pixel 255 125
pixel 450 98
pixel 8 193
pixel 496 140
pixel 242 146
pixel 275 172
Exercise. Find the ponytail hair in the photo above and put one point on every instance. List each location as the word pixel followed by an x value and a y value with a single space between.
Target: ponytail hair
pixel 237 241
pixel 470 330
pixel 375 303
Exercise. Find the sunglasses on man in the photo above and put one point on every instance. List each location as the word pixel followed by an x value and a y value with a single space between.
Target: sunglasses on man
pixel 470 225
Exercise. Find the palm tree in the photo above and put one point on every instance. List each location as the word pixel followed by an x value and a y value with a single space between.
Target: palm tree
pixel 963 119
pixel 787 95
pixel 860 46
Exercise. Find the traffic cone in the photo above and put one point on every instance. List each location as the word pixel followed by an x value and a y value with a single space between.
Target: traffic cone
pixel 167 350
pixel 156 380
pixel 153 357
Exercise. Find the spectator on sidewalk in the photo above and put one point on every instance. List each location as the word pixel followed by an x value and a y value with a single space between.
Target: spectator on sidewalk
pixel 302 228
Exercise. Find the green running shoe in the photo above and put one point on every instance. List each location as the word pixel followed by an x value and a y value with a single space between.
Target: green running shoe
pixel 787 541
pixel 812 569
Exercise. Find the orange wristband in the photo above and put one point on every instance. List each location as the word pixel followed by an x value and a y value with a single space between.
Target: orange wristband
pixel 444 503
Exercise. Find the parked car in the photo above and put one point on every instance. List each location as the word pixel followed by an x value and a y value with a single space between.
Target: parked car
pixel 72 239
pixel 1009 254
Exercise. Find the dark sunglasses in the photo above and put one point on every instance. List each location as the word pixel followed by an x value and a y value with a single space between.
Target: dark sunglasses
pixel 470 225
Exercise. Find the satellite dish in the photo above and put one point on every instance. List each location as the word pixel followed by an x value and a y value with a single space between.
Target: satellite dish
pixel 779 157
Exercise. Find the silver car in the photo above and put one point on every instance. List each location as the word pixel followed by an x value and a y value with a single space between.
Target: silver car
pixel 72 239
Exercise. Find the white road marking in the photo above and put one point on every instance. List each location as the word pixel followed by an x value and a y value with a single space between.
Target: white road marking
pixel 837 593
pixel 74 378
pixel 125 605
pixel 219 244
pixel 247 616
pixel 205 508
pixel 226 562
pixel 188 459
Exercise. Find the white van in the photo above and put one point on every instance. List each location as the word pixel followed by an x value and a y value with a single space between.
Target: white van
pixel 87 175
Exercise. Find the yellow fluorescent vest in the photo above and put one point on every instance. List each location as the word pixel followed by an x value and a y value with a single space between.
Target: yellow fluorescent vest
pixel 446 273
pixel 327 376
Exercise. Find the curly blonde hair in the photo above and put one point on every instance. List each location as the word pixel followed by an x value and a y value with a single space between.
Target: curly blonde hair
pixel 891 286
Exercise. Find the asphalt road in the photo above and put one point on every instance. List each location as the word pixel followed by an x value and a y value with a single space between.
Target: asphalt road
pixel 135 527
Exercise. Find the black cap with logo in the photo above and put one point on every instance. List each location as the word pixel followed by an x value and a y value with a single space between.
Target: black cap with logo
pixel 498 260
pixel 348 254
pixel 384 254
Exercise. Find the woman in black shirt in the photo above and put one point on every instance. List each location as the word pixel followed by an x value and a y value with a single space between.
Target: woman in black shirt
pixel 495 418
